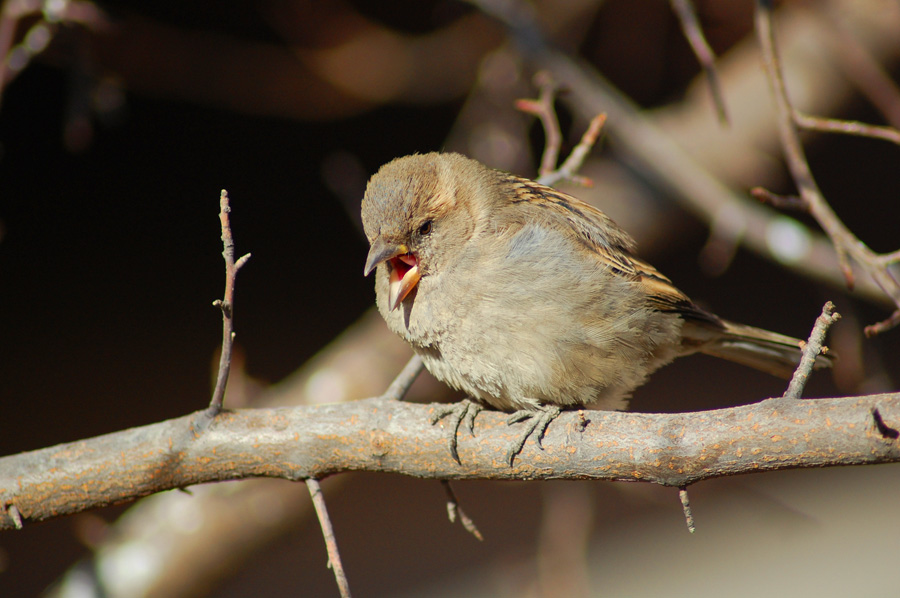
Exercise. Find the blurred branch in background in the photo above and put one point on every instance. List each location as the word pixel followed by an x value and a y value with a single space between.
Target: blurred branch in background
pixel 693 32
pixel 733 218
pixel 43 19
pixel 333 63
pixel 846 244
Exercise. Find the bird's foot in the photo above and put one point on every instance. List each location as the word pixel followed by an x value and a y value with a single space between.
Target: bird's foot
pixel 539 419
pixel 461 414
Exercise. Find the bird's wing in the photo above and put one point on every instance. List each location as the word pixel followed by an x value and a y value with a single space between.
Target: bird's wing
pixel 609 243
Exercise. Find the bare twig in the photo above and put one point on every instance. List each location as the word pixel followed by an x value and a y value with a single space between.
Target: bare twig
pixel 846 244
pixel 404 379
pixel 226 304
pixel 542 107
pixel 878 327
pixel 15 516
pixel 784 202
pixel 572 164
pixel 453 509
pixel 693 32
pixel 334 558
pixel 686 506
pixel 812 349
pixel 846 127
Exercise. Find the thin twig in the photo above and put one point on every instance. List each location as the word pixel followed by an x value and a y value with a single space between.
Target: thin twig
pixel 693 32
pixel 784 202
pixel 846 127
pixel 453 509
pixel 686 506
pixel 334 558
pixel 16 517
pixel 846 244
pixel 404 379
pixel 226 304
pixel 576 158
pixel 542 107
pixel 814 346
pixel 883 326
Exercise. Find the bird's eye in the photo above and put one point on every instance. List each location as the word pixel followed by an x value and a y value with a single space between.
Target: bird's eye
pixel 425 229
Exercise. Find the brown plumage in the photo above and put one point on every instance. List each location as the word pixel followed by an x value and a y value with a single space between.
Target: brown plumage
pixel 529 299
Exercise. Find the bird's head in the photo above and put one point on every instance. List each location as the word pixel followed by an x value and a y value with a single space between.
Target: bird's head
pixel 417 214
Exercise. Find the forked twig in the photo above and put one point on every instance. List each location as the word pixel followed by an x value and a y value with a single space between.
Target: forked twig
pixel 846 244
pixel 226 304
pixel 334 558
pixel 571 166
pixel 542 107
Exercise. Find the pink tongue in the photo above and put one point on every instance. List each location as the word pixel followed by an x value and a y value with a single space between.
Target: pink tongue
pixel 403 263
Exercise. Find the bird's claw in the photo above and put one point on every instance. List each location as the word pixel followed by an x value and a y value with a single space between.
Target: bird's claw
pixel 460 414
pixel 536 426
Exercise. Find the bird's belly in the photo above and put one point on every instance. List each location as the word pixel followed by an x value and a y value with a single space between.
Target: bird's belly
pixel 481 378
pixel 517 376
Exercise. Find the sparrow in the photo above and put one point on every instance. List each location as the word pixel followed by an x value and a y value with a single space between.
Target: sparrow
pixel 529 300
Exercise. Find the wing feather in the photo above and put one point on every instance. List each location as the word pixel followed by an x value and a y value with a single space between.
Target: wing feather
pixel 611 245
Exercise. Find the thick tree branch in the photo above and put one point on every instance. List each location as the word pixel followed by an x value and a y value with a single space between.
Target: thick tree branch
pixel 391 436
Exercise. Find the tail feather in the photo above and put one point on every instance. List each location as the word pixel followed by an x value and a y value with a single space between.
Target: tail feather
pixel 766 351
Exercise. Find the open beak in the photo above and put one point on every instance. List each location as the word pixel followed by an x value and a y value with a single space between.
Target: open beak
pixel 403 266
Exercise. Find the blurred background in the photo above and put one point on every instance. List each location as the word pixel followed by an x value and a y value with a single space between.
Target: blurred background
pixel 121 122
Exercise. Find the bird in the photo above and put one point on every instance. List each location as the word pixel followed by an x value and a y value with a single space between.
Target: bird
pixel 528 299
